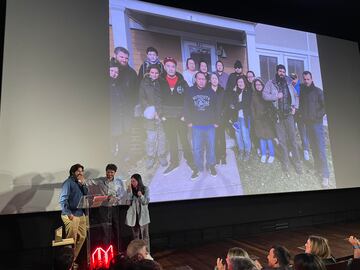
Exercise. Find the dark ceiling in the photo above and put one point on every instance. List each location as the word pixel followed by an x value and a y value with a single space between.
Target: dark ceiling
pixel 337 18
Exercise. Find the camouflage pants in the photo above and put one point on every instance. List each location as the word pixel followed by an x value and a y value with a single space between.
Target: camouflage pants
pixel 155 138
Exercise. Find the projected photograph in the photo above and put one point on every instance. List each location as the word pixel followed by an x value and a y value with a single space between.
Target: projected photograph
pixel 206 106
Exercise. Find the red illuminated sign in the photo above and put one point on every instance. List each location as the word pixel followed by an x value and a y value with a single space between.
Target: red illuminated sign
pixel 101 257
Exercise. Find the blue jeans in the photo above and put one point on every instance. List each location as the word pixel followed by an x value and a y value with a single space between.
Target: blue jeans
pixel 269 144
pixel 243 135
pixel 303 135
pixel 203 135
pixel 315 132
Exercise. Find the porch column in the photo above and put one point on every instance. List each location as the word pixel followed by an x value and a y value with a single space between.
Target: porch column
pixel 253 60
pixel 121 29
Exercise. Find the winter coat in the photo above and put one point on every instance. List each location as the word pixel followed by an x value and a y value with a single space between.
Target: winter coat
pixel 150 93
pixel 231 82
pixel 261 112
pixel 221 100
pixel 312 107
pixel 172 102
pixel 271 91
pixel 234 105
pixel 128 82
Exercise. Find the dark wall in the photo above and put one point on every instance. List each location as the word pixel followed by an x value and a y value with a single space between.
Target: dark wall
pixel 334 18
pixel 192 222
pixel 25 231
pixel 184 222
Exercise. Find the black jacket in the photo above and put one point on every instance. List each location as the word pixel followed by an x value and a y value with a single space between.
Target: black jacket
pixel 234 106
pixel 231 83
pixel 172 102
pixel 128 82
pixel 311 107
pixel 150 93
pixel 117 97
pixel 220 95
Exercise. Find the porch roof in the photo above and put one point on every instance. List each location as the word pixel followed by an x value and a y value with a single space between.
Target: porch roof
pixel 152 17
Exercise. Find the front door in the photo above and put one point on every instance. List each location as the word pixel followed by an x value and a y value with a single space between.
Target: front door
pixel 199 50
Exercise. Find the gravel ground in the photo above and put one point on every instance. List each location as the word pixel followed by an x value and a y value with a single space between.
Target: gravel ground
pixel 257 177
pixel 260 177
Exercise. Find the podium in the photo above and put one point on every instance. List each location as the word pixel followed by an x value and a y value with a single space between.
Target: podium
pixel 99 211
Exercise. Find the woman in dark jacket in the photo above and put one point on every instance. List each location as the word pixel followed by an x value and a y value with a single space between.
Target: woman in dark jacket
pixel 239 101
pixel 261 112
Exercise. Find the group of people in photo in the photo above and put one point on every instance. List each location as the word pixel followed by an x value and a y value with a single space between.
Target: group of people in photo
pixel 214 105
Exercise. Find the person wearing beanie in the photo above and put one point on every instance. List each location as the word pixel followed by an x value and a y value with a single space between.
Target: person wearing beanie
pixel 238 70
pixel 150 100
pixel 312 111
pixel 172 115
pixel 280 66
pixel 282 94
pixel 237 64
pixel 152 58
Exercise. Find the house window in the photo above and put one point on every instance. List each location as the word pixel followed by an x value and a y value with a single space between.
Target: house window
pixel 295 66
pixel 268 67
